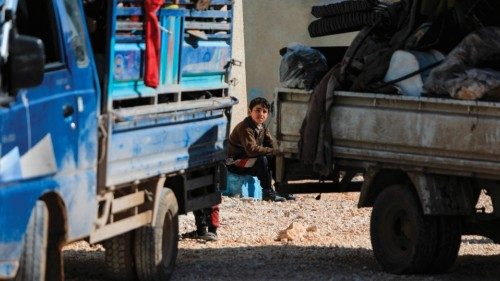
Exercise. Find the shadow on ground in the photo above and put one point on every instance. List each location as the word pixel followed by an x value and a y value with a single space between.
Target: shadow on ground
pixel 281 263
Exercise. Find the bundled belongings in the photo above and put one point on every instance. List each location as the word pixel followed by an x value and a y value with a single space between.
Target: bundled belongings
pixel 409 30
pixel 472 69
pixel 301 66
pixel 409 70
pixel 411 25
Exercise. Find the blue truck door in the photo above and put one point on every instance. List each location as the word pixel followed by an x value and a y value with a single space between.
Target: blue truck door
pixel 62 118
pixel 52 105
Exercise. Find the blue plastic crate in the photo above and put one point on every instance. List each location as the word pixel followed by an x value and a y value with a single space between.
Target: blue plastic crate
pixel 128 62
pixel 203 64
pixel 128 53
pixel 245 186
pixel 171 22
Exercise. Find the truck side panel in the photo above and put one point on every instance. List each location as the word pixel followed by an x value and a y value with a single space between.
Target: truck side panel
pixel 150 146
pixel 443 135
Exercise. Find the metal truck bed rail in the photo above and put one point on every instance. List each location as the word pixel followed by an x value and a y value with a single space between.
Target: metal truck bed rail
pixel 437 135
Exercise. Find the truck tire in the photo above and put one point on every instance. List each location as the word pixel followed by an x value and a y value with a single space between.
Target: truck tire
pixel 34 257
pixel 155 248
pixel 341 24
pixel 449 239
pixel 344 7
pixel 404 241
pixel 119 258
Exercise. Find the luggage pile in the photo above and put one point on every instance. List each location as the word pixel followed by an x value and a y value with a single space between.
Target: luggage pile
pixel 415 47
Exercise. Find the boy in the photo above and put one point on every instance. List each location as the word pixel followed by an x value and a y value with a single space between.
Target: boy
pixel 251 149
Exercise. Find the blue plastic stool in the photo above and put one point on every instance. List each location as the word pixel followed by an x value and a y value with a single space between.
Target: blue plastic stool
pixel 246 186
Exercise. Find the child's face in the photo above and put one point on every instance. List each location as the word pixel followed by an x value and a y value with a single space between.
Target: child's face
pixel 258 114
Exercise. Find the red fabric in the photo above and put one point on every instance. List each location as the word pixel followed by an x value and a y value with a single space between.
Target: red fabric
pixel 151 77
pixel 214 216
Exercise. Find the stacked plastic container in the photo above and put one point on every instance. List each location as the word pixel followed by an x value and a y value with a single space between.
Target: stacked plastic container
pixel 195 50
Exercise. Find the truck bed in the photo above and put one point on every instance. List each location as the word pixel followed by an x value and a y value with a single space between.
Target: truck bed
pixel 435 134
pixel 165 139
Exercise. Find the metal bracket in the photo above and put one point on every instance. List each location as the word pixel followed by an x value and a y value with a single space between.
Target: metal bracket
pixel 103 119
pixel 236 62
pixel 232 62
pixel 107 198
pixel 233 82
pixel 157 197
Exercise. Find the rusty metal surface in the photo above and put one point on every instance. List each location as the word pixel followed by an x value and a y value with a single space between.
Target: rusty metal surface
pixel 442 135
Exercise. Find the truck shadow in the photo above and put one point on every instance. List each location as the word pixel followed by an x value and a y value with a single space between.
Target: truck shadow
pixel 281 263
pixel 312 263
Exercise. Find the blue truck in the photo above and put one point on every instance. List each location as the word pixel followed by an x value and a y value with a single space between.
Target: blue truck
pixel 88 151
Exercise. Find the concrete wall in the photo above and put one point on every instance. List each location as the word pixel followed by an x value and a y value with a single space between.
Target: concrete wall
pixel 269 26
pixel 238 75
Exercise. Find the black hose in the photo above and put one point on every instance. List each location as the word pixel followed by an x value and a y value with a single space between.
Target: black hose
pixel 411 74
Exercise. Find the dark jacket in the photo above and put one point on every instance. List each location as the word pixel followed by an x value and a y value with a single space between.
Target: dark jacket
pixel 248 141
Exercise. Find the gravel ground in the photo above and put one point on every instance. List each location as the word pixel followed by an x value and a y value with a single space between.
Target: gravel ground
pixel 338 249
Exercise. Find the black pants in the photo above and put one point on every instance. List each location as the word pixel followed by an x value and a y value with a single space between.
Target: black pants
pixel 262 169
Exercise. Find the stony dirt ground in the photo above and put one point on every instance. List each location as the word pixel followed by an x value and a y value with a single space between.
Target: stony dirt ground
pixel 338 249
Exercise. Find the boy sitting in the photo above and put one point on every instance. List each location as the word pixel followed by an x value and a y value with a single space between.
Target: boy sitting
pixel 251 149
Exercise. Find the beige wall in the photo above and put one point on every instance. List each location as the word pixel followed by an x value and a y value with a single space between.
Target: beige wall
pixel 269 26
pixel 238 88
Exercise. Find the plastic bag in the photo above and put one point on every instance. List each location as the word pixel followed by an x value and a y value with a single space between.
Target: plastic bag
pixel 471 70
pixel 302 67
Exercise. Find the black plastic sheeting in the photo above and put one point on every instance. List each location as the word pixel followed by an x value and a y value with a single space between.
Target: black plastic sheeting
pixel 471 70
pixel 301 67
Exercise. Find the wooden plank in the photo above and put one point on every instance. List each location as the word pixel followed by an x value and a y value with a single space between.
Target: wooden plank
pixel 200 105
pixel 190 2
pixel 129 11
pixel 207 25
pixel 129 38
pixel 215 36
pixel 120 227
pixel 127 202
pixel 208 14
pixel 129 25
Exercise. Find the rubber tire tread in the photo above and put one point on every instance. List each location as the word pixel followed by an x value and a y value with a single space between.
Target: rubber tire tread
pixel 33 261
pixel 119 258
pixel 345 7
pixel 341 24
pixel 450 234
pixel 148 241
pixel 423 251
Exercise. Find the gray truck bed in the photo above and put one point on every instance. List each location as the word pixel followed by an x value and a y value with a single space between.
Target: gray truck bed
pixel 433 134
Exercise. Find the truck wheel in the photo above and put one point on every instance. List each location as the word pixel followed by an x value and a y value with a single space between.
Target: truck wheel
pixel 34 256
pixel 403 239
pixel 155 248
pixel 119 258
pixel 449 238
